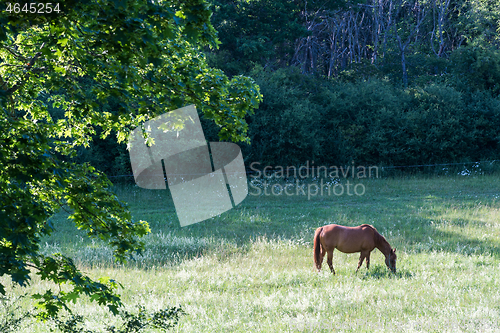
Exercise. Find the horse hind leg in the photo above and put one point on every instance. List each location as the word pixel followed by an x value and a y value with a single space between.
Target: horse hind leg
pixel 368 261
pixel 329 261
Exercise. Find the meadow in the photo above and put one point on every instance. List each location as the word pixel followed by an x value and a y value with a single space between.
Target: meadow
pixel 251 268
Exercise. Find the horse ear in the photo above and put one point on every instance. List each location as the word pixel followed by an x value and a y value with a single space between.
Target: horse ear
pixel 394 250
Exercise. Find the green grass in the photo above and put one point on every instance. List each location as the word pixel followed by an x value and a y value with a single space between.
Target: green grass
pixel 251 269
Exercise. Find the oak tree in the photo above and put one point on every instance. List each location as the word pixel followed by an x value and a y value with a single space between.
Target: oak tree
pixel 76 55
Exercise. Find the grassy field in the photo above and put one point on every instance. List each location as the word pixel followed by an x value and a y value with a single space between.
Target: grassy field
pixel 251 269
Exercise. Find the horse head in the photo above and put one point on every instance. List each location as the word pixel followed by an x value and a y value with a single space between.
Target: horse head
pixel 390 260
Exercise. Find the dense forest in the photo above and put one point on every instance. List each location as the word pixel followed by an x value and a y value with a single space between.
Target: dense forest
pixel 380 82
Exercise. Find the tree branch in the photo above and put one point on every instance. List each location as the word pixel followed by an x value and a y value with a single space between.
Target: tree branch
pixel 16 55
pixel 26 76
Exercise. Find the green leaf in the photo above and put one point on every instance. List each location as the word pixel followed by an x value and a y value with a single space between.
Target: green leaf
pixel 63 41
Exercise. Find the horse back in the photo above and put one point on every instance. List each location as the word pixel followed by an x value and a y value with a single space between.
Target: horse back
pixel 348 239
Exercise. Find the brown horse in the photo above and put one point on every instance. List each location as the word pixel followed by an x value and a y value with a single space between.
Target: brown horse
pixel 363 238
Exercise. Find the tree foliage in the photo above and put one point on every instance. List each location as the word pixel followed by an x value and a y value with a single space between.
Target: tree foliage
pixel 371 122
pixel 400 39
pixel 146 57
pixel 391 82
pixel 256 32
pixel 333 78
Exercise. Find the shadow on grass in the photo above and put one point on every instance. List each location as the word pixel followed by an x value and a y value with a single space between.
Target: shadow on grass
pixel 397 214
pixel 381 272
pixel 420 235
pixel 430 238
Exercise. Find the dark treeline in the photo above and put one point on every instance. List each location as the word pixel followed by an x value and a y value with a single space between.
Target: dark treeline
pixel 379 82
pixel 403 40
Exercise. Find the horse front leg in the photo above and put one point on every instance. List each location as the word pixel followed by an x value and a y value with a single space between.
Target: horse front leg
pixel 329 260
pixel 361 258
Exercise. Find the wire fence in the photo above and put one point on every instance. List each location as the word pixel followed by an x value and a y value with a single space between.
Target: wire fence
pixel 480 166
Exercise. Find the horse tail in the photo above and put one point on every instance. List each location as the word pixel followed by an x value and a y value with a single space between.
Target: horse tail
pixel 317 248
